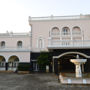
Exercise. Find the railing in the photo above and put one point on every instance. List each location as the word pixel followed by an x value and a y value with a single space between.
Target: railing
pixel 68 43
pixel 55 33
pixel 11 34
pixel 66 34
pixel 15 48
pixel 60 17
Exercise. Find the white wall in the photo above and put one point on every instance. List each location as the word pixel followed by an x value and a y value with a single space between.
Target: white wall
pixel 41 28
pixel 23 56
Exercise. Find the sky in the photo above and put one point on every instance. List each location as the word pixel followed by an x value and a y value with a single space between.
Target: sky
pixel 14 13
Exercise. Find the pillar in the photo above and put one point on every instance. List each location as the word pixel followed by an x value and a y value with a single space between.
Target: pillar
pixel 83 68
pixel 56 66
pixel 78 70
pixel 53 66
pixel 6 66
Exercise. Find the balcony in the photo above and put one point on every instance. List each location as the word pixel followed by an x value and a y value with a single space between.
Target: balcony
pixel 14 49
pixel 64 34
pixel 55 34
pixel 67 44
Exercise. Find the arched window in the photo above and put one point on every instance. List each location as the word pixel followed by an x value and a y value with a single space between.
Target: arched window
pixel 19 44
pixel 40 43
pixel 13 62
pixel 65 31
pixel 2 44
pixel 2 61
pixel 55 31
pixel 76 30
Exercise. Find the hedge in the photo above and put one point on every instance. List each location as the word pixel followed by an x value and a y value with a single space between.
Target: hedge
pixel 24 67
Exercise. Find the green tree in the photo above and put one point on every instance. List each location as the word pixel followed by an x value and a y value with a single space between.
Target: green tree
pixel 43 59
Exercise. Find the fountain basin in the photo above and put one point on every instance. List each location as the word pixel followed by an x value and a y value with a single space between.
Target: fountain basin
pixel 76 61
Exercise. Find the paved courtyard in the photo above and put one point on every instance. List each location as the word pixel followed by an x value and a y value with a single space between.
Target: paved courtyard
pixel 12 81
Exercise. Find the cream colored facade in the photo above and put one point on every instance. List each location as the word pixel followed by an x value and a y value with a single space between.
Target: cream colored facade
pixel 47 34
pixel 14 48
pixel 42 28
pixel 63 37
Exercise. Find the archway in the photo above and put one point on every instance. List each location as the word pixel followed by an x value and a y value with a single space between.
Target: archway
pixel 64 64
pixel 2 63
pixel 13 63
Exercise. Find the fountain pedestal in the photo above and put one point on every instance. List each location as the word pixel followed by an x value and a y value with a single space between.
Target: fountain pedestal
pixel 78 70
pixel 78 63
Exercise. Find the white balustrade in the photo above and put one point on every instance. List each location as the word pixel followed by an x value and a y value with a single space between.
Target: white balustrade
pixel 68 43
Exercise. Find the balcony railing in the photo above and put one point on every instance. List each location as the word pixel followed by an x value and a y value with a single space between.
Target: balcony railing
pixel 15 49
pixel 66 34
pixel 56 44
pixel 53 33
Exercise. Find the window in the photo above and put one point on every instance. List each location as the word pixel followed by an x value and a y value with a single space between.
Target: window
pixel 40 43
pixel 2 44
pixel 2 64
pixel 55 31
pixel 76 30
pixel 65 31
pixel 2 61
pixel 19 44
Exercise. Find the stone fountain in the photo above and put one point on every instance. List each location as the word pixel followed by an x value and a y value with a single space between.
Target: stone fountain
pixel 78 63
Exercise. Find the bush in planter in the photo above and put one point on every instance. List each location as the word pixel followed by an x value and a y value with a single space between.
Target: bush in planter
pixel 24 67
pixel 43 60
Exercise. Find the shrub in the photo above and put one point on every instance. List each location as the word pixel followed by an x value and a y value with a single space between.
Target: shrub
pixel 42 61
pixel 24 67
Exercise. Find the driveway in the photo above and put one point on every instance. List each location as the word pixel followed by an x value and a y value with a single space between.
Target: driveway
pixel 41 81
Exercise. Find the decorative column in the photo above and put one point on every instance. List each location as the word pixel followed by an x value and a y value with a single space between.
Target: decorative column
pixel 71 36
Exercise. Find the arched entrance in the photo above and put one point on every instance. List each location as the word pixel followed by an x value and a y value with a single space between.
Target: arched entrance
pixel 62 62
pixel 2 63
pixel 13 63
pixel 66 65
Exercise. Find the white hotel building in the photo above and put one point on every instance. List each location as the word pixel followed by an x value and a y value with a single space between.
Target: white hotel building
pixel 64 37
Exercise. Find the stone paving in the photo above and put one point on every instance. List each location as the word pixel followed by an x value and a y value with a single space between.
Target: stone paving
pixel 70 78
pixel 41 81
